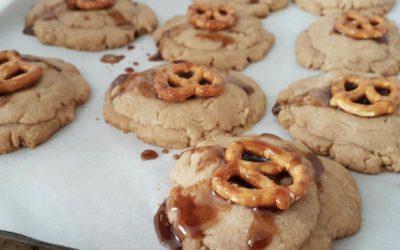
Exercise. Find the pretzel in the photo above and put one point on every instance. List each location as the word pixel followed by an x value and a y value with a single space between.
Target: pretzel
pixel 357 26
pixel 90 4
pixel 365 97
pixel 16 74
pixel 184 80
pixel 265 192
pixel 209 17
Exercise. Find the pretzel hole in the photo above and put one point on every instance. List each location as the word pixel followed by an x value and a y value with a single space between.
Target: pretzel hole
pixel 350 86
pixel 15 74
pixel 204 82
pixel 186 75
pixel 364 101
pixel 249 156
pixel 223 12
pixel 350 19
pixel 200 12
pixel 283 178
pixel 383 91
pixel 374 23
pixel 172 84
pixel 239 182
pixel 359 26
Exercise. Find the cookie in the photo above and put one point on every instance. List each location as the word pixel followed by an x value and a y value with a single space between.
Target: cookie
pixel 207 37
pixel 352 117
pixel 320 198
pixel 334 43
pixel 31 113
pixel 179 105
pixel 55 22
pixel 256 8
pixel 324 7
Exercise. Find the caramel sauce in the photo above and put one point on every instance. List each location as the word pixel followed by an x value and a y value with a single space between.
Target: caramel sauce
pixel 4 100
pixel 262 230
pixel 318 97
pixel 38 60
pixel 177 157
pixel 129 70
pixel 216 37
pixel 165 151
pixel 156 57
pixel 120 79
pixel 148 155
pixel 164 229
pixel 212 155
pixel 108 58
pixel 245 87
pixel 118 18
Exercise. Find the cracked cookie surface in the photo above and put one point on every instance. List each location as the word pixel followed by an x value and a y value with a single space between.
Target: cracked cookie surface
pixel 367 145
pixel 132 106
pixel 257 8
pixel 320 47
pixel 233 48
pixel 330 209
pixel 324 7
pixel 29 117
pixel 54 23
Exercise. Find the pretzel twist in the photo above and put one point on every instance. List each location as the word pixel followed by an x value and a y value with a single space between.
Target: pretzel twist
pixel 184 80
pixel 265 192
pixel 357 26
pixel 365 97
pixel 16 74
pixel 203 16
pixel 90 4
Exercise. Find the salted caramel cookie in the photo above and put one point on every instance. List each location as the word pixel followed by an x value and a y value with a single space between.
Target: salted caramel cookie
pixel 89 25
pixel 257 192
pixel 214 35
pixel 38 96
pixel 179 105
pixel 350 116
pixel 257 8
pixel 324 7
pixel 350 41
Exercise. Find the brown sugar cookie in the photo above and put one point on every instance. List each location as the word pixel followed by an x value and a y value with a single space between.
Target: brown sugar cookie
pixel 38 96
pixel 350 41
pixel 324 201
pixel 256 8
pixel 324 7
pixel 89 25
pixel 350 116
pixel 179 105
pixel 214 35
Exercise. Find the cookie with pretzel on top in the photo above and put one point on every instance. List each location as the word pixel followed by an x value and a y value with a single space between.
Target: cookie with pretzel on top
pixel 38 96
pixel 257 192
pixel 214 35
pixel 350 41
pixel 325 7
pixel 89 25
pixel 256 8
pixel 178 105
pixel 352 117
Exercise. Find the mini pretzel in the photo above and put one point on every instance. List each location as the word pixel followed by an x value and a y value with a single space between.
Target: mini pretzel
pixel 203 16
pixel 357 26
pixel 266 193
pixel 184 80
pixel 16 74
pixel 90 4
pixel 365 97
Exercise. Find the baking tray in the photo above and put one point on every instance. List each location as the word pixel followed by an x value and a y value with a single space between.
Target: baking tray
pixel 87 186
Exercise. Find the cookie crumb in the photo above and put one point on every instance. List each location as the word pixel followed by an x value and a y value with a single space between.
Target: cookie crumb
pixel 130 47
pixel 97 119
pixel 165 151
pixel 176 157
pixel 108 58
pixel 136 63
pixel 148 155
